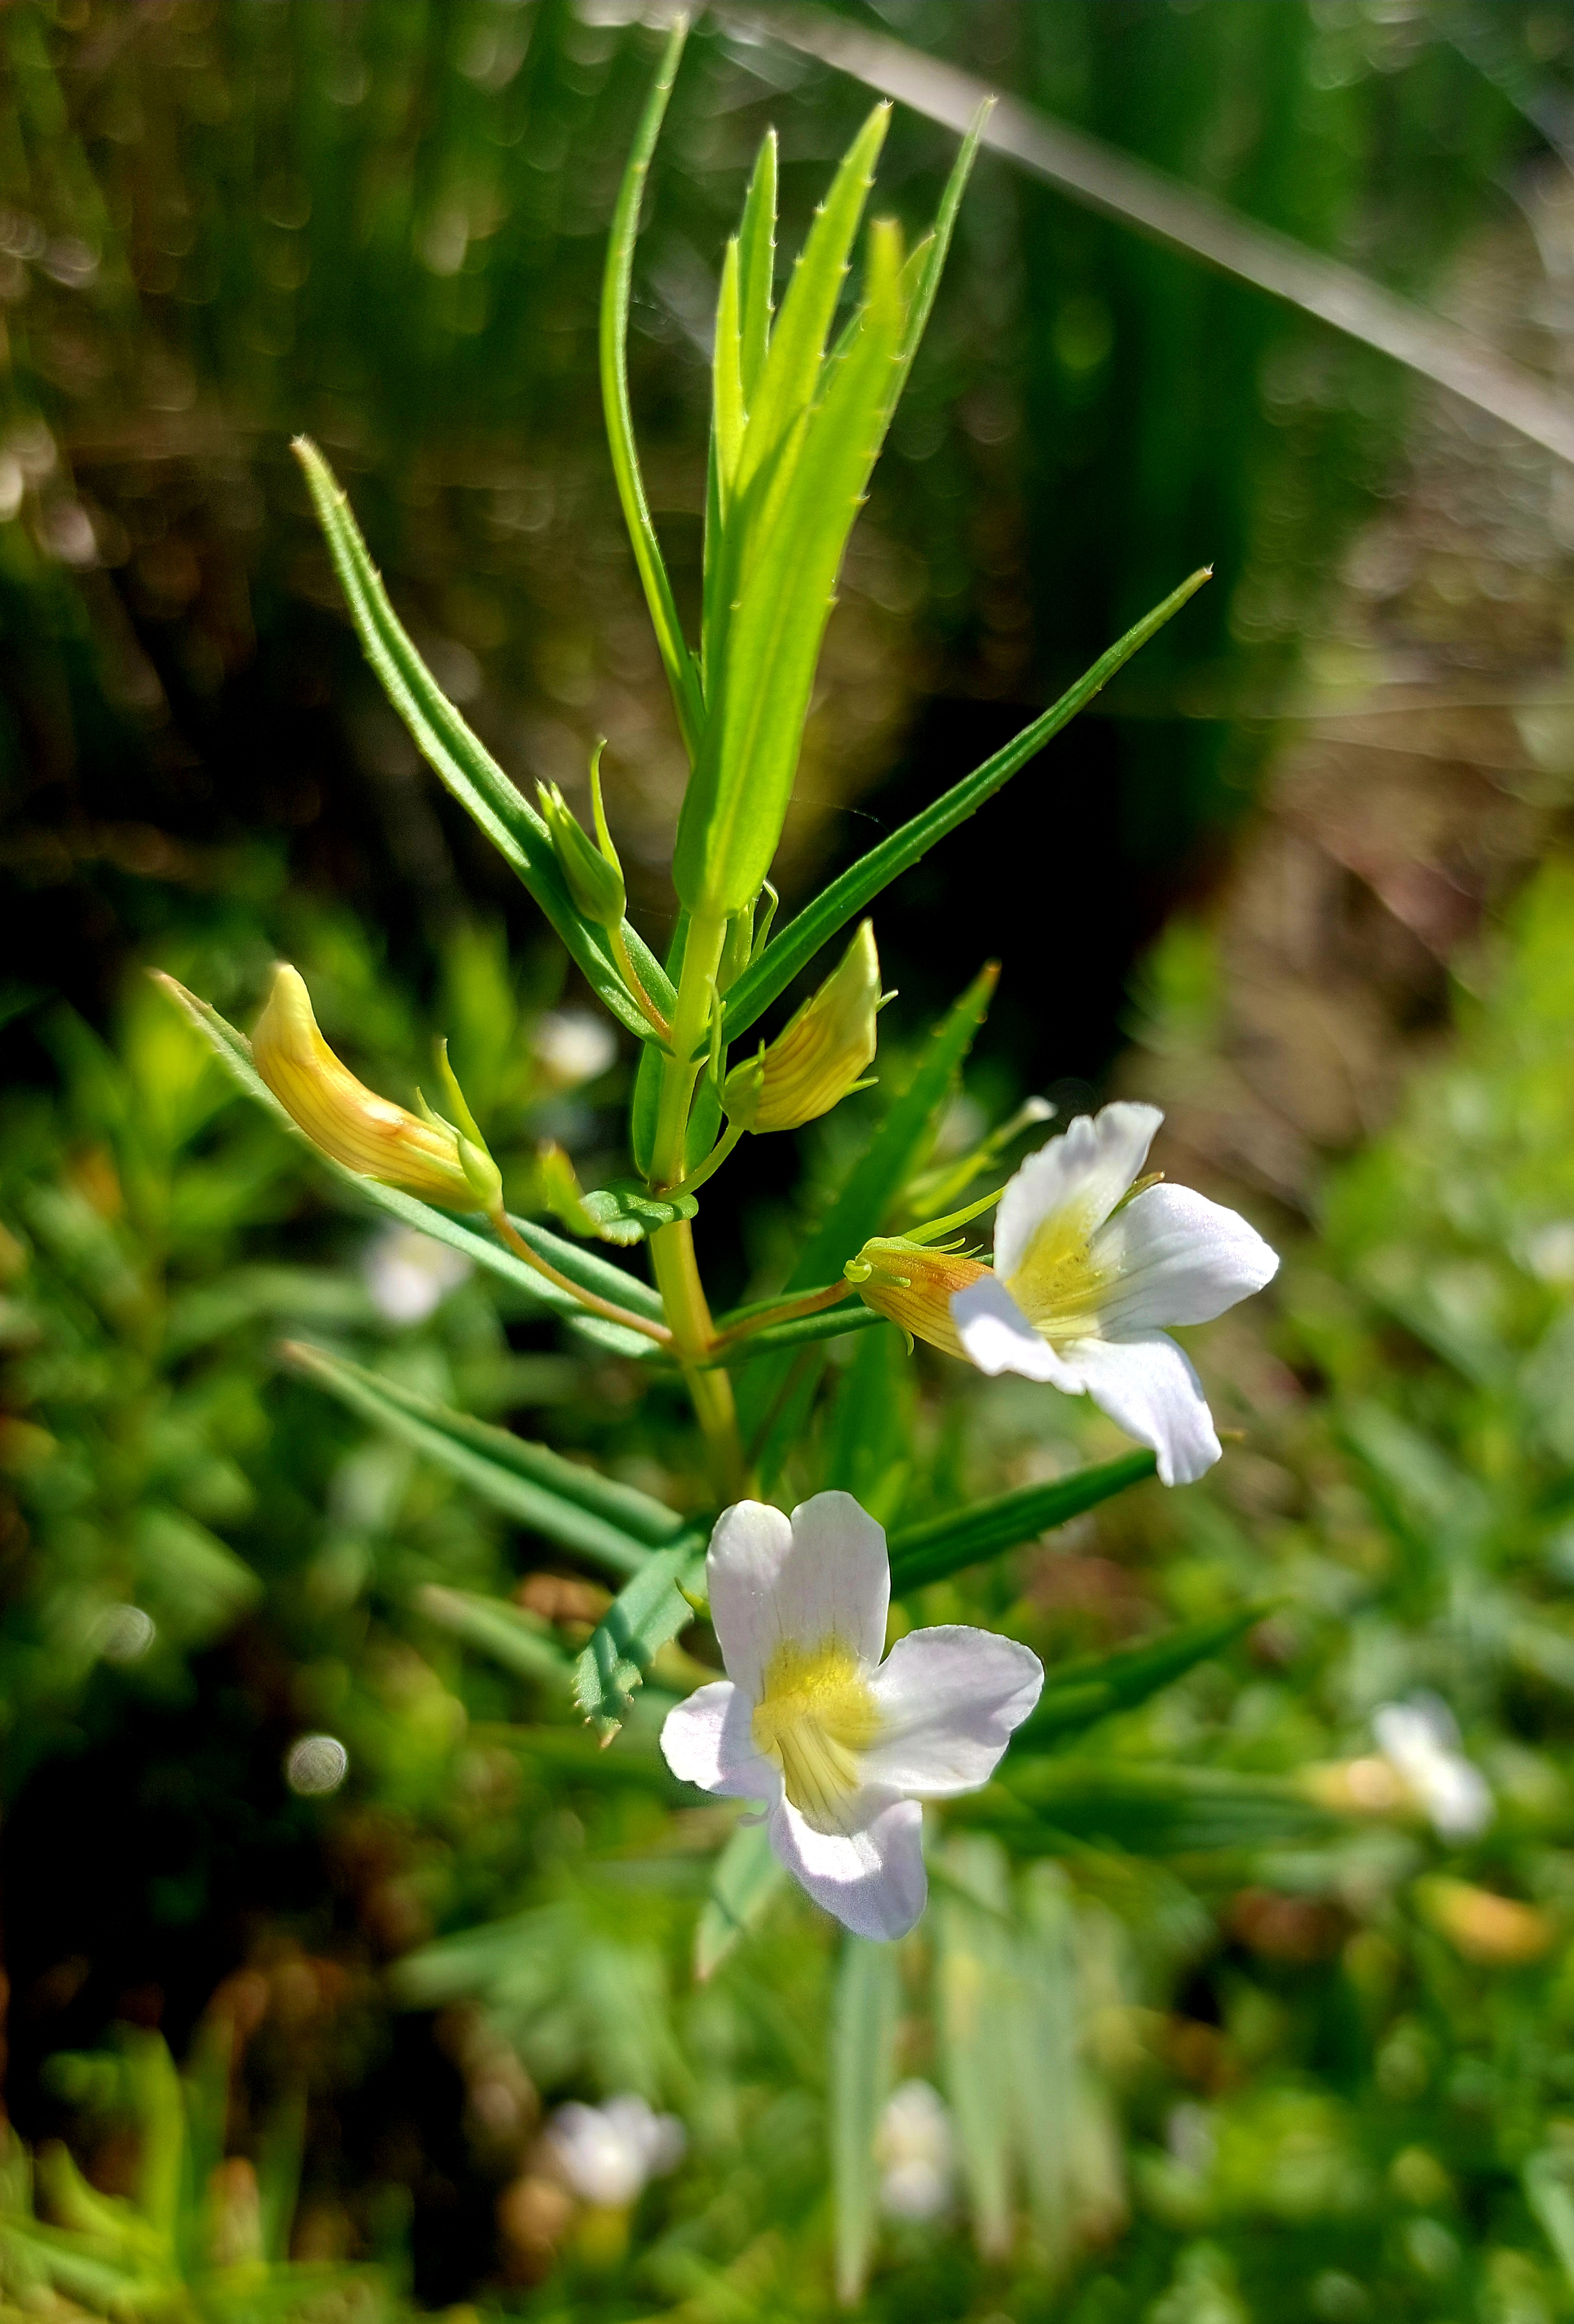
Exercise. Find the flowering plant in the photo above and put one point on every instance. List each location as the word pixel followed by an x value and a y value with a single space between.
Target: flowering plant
pixel 838 1740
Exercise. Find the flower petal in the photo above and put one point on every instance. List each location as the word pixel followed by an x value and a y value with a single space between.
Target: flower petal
pixel 1148 1388
pixel 949 1699
pixel 707 1741
pixel 873 1880
pixel 997 1337
pixel 822 1574
pixel 1088 1170
pixel 1176 1257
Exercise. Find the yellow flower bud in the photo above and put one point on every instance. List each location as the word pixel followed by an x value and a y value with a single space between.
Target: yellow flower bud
pixel 339 1114
pixel 820 1056
pixel 914 1286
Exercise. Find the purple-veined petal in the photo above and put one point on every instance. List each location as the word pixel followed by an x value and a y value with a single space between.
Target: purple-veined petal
pixel 949 1699
pixel 705 1740
pixel 873 1880
pixel 1146 1385
pixel 1085 1171
pixel 1172 1257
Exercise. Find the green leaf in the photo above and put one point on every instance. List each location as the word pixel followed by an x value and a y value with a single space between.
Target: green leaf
pixel 863 2062
pixel 796 946
pixel 610 1525
pixel 802 1331
pixel 774 1402
pixel 647 1612
pixel 728 378
pixel 1096 1687
pixel 786 554
pixel 791 373
pixel 508 1634
pixel 462 761
pixel 570 1259
pixel 973 1972
pixel 616 287
pixel 942 1545
pixel 757 265
pixel 624 1213
pixel 1146 1811
pixel 748 1873
pixel 935 248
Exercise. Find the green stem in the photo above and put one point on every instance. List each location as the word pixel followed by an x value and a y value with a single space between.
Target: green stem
pixel 677 1273
pixel 502 1225
pixel 702 951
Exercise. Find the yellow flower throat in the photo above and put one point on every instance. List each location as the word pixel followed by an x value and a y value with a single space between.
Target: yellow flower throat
pixel 816 1712
pixel 1059 1284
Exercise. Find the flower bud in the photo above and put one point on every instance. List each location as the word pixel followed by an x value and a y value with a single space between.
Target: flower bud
pixel 353 1125
pixel 914 1286
pixel 820 1056
pixel 590 868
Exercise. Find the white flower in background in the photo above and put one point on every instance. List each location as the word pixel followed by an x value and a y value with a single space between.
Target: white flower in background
pixel 408 1274
pixel 1087 1271
pixel 608 2153
pixel 1421 1741
pixel 916 2153
pixel 573 1045
pixel 839 1744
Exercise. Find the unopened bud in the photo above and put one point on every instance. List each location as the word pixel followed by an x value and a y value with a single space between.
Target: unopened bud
pixel 590 868
pixel 349 1121
pixel 822 1053
pixel 914 1286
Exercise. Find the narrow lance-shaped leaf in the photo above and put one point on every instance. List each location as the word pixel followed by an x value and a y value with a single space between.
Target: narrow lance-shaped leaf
pixel 791 372
pixel 461 761
pixel 506 1634
pixel 1148 1811
pixel 748 1873
pixel 736 800
pixel 593 1273
pixel 943 1546
pixel 765 1408
pixel 855 888
pixel 758 265
pixel 616 289
pixel 611 1524
pixel 1078 1694
pixel 644 1616
pixel 863 2057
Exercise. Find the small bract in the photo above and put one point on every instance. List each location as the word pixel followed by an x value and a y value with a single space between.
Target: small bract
pixel 839 1744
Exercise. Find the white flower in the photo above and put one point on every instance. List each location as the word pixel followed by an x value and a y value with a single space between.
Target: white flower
pixel 840 1746
pixel 408 1274
pixel 1421 1741
pixel 915 2150
pixel 1083 1279
pixel 573 1045
pixel 607 2154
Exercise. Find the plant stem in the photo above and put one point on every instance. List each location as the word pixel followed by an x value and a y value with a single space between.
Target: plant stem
pixel 677 1273
pixel 785 1311
pixel 507 1232
pixel 702 953
pixel 716 1158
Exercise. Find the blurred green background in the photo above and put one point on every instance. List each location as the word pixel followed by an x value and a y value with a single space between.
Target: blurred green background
pixel 1277 880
